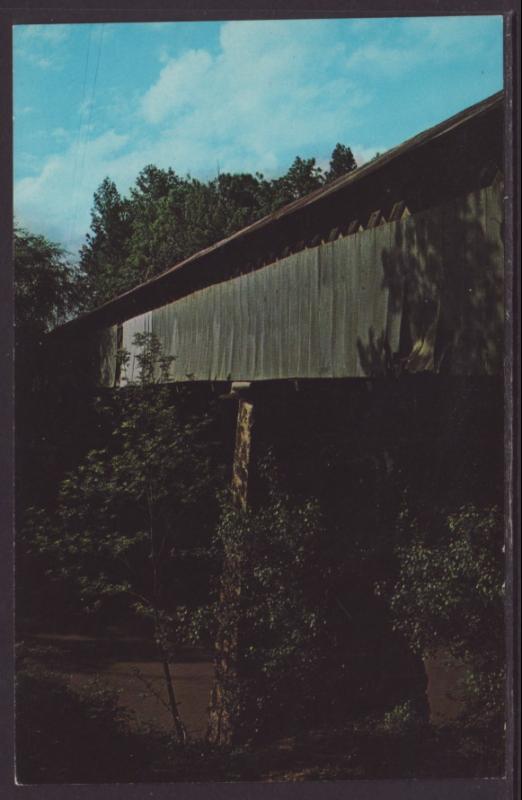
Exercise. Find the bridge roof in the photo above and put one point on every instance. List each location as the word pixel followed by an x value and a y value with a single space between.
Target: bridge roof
pixel 443 161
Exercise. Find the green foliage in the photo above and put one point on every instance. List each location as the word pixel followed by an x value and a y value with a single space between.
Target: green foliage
pixel 401 719
pixel 450 590
pixel 156 236
pixel 341 162
pixel 167 218
pixel 47 291
pixel 303 177
pixel 271 600
pixel 450 598
pixel 104 257
pixel 66 735
pixel 125 515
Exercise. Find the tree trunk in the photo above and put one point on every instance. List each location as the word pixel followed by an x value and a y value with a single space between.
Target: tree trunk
pixel 179 727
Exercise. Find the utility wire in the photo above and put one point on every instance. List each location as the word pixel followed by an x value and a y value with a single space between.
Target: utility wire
pixel 93 94
pixel 88 123
pixel 79 137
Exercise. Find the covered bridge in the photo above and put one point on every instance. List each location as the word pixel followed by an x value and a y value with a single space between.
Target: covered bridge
pixel 393 269
pixel 396 265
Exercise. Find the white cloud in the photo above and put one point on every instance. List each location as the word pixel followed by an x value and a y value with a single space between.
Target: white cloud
pixel 178 85
pixel 42 62
pixel 271 91
pixel 158 26
pixel 364 154
pixel 268 94
pixel 410 42
pixel 85 106
pixel 57 200
pixel 451 35
pixel 45 33
pixel 40 45
pixel 61 134
pixel 387 61
pixel 271 88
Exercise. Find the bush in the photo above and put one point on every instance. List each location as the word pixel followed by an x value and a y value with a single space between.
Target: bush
pixel 64 735
pixel 450 596
pixel 272 607
pixel 402 718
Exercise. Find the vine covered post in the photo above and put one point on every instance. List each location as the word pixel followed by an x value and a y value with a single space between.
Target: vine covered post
pixel 223 710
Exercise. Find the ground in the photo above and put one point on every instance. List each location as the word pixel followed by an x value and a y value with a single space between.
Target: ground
pixel 130 666
pixel 64 746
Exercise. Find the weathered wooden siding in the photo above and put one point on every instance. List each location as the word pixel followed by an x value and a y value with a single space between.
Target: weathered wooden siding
pixel 335 310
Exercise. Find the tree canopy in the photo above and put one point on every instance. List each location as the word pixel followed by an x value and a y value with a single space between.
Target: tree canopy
pixel 166 218
pixel 341 162
pixel 46 286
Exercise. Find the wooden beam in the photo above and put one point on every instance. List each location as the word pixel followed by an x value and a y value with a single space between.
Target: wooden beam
pixel 354 227
pixel 399 211
pixel 334 234
pixel 375 219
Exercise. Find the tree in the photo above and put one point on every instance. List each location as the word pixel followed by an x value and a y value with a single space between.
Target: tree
pixel 156 204
pixel 449 597
pixel 125 517
pixel 216 209
pixel 341 162
pixel 46 286
pixel 303 177
pixel 103 259
pixel 167 218
pixel 269 615
pixel 48 291
pixel 450 587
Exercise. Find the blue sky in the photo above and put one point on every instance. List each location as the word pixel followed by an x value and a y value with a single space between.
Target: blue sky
pixel 93 100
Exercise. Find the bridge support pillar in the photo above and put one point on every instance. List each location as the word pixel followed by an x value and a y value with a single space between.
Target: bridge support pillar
pixel 242 464
pixel 224 715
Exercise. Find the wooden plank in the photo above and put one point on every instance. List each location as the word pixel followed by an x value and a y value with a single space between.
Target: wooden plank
pixel 399 211
pixel 311 314
pixel 374 219
pixel 354 227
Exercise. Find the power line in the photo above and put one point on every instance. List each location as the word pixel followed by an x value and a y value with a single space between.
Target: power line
pixel 86 127
pixel 93 93
pixel 79 135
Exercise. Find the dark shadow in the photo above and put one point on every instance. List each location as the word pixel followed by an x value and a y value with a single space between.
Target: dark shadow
pixel 444 273
pixel 87 654
pixel 365 449
pixel 447 265
pixel 375 358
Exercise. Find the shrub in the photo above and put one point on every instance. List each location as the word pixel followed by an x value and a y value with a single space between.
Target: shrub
pixel 272 607
pixel 64 735
pixel 450 596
